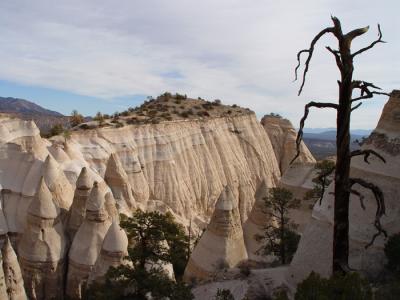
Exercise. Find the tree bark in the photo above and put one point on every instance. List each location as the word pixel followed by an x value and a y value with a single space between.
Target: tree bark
pixel 343 182
pixel 342 171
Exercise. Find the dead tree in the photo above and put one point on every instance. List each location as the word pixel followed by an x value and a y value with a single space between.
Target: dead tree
pixel 345 106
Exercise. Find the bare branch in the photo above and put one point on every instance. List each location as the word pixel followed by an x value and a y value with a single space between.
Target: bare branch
pixel 336 53
pixel 360 196
pixel 357 106
pixel 323 177
pixel 337 27
pixel 366 154
pixel 380 203
pixel 299 137
pixel 310 53
pixel 365 92
pixel 355 33
pixel 379 40
pixel 299 62
pixel 368 96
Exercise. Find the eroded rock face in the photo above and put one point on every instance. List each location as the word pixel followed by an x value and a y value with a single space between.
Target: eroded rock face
pixel 298 176
pixel 186 164
pixel 87 243
pixel 222 244
pixel 12 273
pixel 117 179
pixel 179 167
pixel 113 251
pixel 24 158
pixel 315 248
pixel 78 208
pixel 283 138
pixel 42 248
pixel 256 224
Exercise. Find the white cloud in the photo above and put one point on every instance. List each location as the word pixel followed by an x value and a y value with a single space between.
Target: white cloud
pixel 242 52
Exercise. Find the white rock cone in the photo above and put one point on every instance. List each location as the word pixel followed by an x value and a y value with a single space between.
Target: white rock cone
pixel 12 272
pixel 118 181
pixel 113 251
pixel 3 287
pixel 42 248
pixel 222 243
pixel 58 183
pixel 87 243
pixel 78 207
pixel 3 224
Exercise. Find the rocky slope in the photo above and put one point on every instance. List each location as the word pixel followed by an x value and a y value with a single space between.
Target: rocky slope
pixel 59 197
pixel 283 138
pixel 21 106
pixel 315 248
pixel 27 110
pixel 183 165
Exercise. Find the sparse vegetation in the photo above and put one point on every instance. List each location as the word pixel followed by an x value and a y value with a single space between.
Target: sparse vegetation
pixel 224 294
pixel 324 170
pixel 165 108
pixel 275 115
pixel 56 130
pixel 392 252
pixel 76 118
pixel 99 118
pixel 348 287
pixel 155 240
pixel 280 240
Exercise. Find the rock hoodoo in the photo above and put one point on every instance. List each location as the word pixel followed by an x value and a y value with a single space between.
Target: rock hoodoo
pixel 57 182
pixel 222 244
pixel 42 247
pixel 77 211
pixel 87 242
pixel 12 272
pixel 179 166
pixel 113 251
pixel 117 179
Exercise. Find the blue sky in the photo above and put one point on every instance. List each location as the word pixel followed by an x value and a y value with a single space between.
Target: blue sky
pixel 97 55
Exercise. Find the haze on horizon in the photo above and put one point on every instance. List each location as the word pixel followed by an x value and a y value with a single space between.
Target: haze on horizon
pixel 109 55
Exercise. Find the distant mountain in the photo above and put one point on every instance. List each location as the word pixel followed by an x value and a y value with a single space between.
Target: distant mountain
pixel 22 106
pixel 362 132
pixel 331 135
pixel 27 110
pixel 317 130
pixel 323 143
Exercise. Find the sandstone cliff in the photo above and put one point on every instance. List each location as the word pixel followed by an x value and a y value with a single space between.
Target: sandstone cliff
pixel 283 138
pixel 315 248
pixel 178 166
pixel 183 166
pixel 296 177
pixel 222 244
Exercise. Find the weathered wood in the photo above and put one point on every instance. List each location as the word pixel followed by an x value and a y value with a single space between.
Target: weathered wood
pixel 344 108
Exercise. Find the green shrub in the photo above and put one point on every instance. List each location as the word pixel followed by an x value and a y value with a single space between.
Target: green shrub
pixel 388 291
pixel 348 287
pixel 392 251
pixel 224 295
pixel 245 270
pixel 180 97
pixel 56 130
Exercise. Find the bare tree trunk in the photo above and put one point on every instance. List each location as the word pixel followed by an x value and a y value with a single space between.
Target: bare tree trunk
pixel 282 242
pixel 342 172
pixel 343 182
